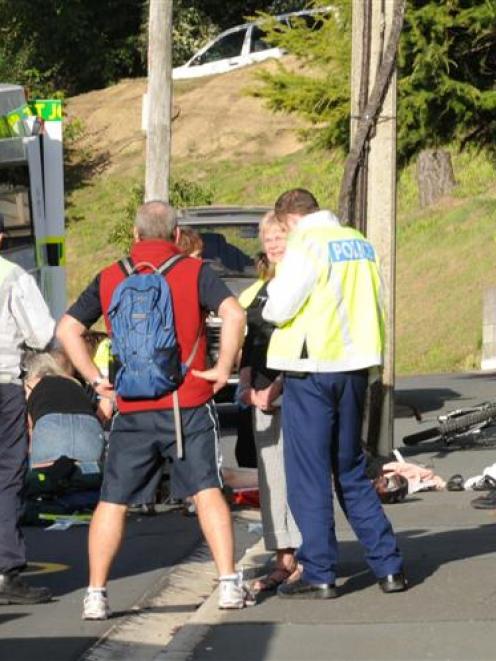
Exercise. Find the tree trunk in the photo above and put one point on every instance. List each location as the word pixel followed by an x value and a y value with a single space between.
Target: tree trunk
pixel 434 175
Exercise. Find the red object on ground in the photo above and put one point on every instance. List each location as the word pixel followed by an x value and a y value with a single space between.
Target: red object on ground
pixel 246 497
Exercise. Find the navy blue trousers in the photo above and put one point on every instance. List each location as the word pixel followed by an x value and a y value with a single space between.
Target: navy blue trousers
pixel 13 465
pixel 322 420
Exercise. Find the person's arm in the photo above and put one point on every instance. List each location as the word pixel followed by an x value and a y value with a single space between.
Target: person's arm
pixel 231 339
pixel 288 291
pixel 31 313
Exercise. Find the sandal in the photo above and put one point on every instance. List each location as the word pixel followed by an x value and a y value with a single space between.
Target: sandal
pixel 273 580
pixel 455 483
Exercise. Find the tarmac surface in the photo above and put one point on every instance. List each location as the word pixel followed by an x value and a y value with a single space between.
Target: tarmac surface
pixel 171 614
pixel 449 550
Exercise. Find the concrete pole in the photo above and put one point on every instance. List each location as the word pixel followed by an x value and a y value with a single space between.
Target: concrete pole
pixel 158 140
pixel 381 188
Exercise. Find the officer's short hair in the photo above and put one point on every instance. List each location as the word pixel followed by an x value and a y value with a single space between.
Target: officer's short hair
pixel 296 200
pixel 156 220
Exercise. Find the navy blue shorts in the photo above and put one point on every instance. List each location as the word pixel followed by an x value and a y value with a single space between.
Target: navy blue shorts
pixel 139 445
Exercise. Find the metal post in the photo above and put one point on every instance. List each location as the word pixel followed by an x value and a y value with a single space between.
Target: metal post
pixel 379 223
pixel 158 140
pixel 381 208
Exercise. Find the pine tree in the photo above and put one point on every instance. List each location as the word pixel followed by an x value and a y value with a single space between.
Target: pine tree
pixel 446 75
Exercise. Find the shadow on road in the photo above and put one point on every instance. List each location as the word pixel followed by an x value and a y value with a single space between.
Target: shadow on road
pixel 424 400
pixel 434 548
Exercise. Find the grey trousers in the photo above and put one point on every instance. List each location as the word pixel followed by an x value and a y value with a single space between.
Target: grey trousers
pixel 279 528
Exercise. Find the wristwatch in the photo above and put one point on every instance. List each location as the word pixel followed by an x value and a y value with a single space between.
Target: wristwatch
pixel 97 382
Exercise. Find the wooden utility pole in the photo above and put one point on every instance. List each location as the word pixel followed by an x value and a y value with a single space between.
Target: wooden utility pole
pixel 158 140
pixel 368 192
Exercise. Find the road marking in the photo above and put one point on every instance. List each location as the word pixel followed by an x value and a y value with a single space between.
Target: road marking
pixel 35 568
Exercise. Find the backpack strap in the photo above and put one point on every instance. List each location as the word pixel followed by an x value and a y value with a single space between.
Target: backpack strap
pixel 169 263
pixel 178 425
pixel 126 266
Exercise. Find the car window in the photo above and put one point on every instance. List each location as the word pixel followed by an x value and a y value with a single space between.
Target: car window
pixel 224 48
pixel 231 250
pixel 258 42
pixel 312 21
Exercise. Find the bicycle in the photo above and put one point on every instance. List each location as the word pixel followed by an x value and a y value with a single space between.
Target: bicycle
pixel 462 427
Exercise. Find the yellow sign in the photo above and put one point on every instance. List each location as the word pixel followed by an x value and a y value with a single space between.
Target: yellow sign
pixel 36 568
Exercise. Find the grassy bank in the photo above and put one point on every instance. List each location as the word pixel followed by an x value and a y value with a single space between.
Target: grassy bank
pixel 445 254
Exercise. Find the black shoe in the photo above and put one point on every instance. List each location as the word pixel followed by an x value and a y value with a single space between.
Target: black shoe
pixel 393 583
pixel 485 502
pixel 300 589
pixel 13 590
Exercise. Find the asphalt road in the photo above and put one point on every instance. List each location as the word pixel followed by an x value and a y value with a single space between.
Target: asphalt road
pixel 58 560
pixel 55 631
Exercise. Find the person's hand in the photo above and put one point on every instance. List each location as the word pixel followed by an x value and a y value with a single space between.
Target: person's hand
pixel 105 390
pixel 263 399
pixel 105 409
pixel 216 375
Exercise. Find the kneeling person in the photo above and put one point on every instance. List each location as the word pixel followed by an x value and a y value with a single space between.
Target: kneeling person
pixel 143 435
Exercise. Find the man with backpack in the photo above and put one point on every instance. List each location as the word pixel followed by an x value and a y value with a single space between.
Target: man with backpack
pixel 154 303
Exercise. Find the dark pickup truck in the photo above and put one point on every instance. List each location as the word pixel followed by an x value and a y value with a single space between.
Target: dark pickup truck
pixel 230 244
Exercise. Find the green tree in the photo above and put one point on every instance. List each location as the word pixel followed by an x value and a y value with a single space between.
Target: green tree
pixel 72 46
pixel 446 75
pixel 69 45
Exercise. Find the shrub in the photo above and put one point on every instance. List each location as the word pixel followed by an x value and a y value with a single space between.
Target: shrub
pixel 183 193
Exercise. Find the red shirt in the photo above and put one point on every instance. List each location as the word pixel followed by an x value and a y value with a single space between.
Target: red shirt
pixel 188 318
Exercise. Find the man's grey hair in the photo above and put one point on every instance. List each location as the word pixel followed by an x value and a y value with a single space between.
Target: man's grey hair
pixel 156 220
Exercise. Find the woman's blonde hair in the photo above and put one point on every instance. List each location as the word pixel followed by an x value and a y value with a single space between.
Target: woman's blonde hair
pixel 53 363
pixel 266 270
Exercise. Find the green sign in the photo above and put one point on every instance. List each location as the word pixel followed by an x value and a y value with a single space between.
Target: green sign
pixel 15 119
pixel 50 110
pixel 12 124
pixel 4 129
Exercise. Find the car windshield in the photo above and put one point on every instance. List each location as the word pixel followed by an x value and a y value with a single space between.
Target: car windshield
pixel 231 249
pixel 224 48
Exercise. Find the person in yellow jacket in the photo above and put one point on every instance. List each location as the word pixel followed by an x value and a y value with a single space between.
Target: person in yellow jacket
pixel 326 302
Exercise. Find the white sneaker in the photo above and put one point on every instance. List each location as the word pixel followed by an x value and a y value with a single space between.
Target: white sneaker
pixel 233 593
pixel 95 605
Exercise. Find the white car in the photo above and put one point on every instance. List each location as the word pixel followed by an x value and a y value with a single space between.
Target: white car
pixel 239 47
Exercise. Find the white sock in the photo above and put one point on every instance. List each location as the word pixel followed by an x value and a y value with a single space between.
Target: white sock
pixel 101 590
pixel 228 577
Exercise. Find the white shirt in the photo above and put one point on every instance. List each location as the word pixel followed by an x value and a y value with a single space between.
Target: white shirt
pixel 24 319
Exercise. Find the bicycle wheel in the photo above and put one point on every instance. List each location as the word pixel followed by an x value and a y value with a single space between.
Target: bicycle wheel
pixel 424 435
pixel 464 422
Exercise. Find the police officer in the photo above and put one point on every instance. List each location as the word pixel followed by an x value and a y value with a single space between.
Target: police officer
pixel 24 319
pixel 325 300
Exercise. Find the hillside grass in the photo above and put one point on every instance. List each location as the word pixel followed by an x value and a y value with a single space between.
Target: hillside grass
pixel 445 254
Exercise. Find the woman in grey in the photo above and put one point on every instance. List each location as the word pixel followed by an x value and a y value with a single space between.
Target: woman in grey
pixel 261 388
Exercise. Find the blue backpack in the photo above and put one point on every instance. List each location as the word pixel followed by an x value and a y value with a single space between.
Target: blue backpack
pixel 144 345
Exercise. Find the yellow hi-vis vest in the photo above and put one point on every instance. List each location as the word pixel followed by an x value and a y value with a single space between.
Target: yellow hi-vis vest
pixel 340 327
